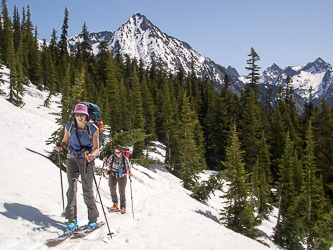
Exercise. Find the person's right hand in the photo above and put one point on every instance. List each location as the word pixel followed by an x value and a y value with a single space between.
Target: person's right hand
pixel 58 148
pixel 104 159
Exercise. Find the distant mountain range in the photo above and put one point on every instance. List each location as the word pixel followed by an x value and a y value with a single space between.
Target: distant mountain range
pixel 139 38
pixel 318 74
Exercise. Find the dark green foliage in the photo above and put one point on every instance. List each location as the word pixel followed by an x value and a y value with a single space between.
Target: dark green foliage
pixel 312 204
pixel 262 179
pixel 238 213
pixel 288 188
pixel 323 150
pixel 189 155
pixel 250 130
pixel 254 75
pixel 64 34
pixel 125 139
pixel 206 188
pixel 85 48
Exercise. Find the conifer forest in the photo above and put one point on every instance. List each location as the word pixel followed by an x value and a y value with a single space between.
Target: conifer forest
pixel 263 150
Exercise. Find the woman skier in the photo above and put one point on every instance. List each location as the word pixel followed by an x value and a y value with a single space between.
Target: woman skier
pixel 81 138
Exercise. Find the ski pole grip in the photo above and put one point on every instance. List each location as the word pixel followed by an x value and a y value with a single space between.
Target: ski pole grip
pixel 65 150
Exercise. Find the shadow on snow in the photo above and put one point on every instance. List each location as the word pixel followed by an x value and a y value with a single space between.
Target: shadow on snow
pixel 16 210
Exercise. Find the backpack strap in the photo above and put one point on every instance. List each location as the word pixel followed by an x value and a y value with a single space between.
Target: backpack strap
pixel 70 131
pixel 125 167
pixel 73 127
pixel 89 131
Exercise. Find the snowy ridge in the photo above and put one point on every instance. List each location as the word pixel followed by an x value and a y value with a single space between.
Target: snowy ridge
pixel 166 217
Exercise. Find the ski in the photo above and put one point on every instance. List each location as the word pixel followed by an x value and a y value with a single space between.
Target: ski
pixel 61 238
pixel 86 231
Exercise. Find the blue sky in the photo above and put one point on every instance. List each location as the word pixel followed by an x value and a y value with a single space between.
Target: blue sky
pixel 285 32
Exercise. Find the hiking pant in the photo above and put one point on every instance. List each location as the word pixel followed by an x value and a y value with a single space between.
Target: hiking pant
pixel 74 169
pixel 113 188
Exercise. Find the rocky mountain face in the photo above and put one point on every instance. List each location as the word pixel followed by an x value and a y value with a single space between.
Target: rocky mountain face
pixel 139 38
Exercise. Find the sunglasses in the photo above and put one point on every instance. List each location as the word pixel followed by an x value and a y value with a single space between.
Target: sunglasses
pixel 117 152
pixel 79 114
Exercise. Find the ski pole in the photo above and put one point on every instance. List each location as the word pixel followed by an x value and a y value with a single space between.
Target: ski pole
pixel 99 195
pixel 131 195
pixel 100 178
pixel 62 189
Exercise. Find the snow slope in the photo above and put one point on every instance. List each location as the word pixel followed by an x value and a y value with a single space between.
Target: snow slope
pixel 165 217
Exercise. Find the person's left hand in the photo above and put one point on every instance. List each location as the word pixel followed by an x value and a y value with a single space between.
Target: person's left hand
pixel 89 157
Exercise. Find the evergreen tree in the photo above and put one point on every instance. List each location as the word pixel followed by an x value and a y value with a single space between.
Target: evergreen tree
pixel 285 232
pixel 216 131
pixel 16 28
pixel 311 204
pixel 262 179
pixel 6 34
pixel 85 47
pixel 189 165
pixel 323 137
pixel 254 75
pixel 35 71
pixel 63 36
pixel 113 107
pixel 28 42
pixel 77 91
pixel 238 214
pixel 16 76
pixel 277 137
pixel 103 61
pixel 308 112
pixel 136 115
pixel 149 110
pixel 167 123
pixel 250 130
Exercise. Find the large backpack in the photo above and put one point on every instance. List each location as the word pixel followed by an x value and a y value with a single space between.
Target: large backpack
pixel 93 118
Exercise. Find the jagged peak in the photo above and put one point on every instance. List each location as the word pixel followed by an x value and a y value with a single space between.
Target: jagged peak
pixel 318 65
pixel 275 67
pixel 320 61
pixel 233 71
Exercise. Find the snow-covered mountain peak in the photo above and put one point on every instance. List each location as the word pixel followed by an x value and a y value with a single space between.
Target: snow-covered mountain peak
pixel 141 39
pixel 318 66
pixel 270 74
pixel 141 21
pixel 275 68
